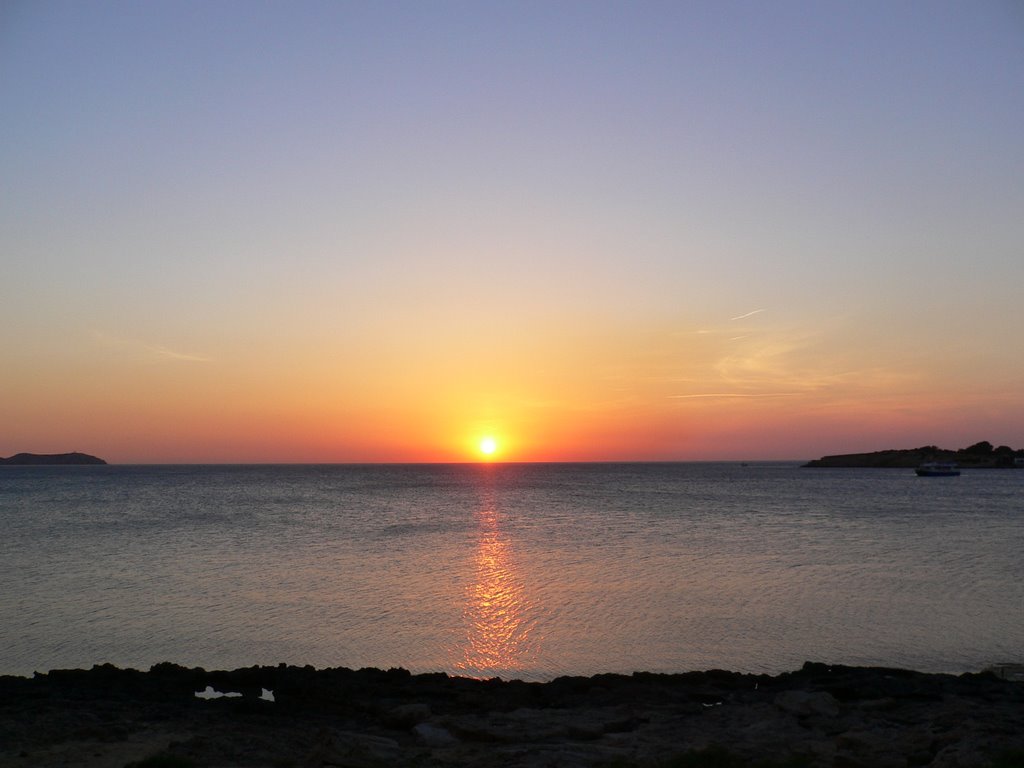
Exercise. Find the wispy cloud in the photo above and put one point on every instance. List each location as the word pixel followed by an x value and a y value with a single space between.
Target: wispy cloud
pixel 145 350
pixel 748 314
pixel 802 363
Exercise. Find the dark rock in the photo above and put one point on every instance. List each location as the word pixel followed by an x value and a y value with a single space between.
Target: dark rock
pixel 823 715
pixel 806 703
pixel 405 716
pixel 434 735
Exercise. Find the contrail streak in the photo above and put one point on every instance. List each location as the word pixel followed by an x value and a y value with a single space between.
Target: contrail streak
pixel 736 394
pixel 740 317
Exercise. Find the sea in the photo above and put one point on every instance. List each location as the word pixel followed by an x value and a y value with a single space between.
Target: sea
pixel 519 571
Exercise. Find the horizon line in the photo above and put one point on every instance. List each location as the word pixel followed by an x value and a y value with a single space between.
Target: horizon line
pixel 408 463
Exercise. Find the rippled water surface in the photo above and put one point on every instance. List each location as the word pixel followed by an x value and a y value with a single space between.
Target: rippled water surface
pixel 528 571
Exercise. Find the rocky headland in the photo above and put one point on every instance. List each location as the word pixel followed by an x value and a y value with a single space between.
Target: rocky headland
pixel 821 715
pixel 978 456
pixel 48 459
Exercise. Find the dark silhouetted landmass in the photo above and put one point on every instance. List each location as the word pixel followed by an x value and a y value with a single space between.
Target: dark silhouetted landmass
pixel 51 459
pixel 978 456
pixel 819 716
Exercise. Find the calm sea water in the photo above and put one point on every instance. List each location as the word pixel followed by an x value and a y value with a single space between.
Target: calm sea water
pixel 528 571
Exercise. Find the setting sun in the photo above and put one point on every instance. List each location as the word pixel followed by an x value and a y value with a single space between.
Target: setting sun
pixel 488 446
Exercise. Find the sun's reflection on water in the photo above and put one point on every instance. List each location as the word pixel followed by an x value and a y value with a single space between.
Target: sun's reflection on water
pixel 499 625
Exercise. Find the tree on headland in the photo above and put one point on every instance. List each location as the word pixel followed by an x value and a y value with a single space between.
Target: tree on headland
pixel 984 448
pixel 1004 456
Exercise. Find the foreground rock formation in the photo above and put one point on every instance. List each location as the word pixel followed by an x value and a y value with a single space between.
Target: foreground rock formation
pixel 818 716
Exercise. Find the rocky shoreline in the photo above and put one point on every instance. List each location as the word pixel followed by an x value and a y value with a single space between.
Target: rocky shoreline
pixel 821 715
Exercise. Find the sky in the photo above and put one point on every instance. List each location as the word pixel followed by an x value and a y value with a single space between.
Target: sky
pixel 592 231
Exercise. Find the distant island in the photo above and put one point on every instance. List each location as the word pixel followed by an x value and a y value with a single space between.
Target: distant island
pixel 50 459
pixel 978 456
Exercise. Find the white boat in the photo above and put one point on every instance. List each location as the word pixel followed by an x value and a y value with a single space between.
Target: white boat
pixel 937 469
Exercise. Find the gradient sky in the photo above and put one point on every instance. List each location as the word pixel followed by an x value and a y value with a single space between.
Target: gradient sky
pixel 378 231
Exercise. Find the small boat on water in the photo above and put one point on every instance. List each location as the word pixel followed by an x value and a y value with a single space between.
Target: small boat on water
pixel 937 469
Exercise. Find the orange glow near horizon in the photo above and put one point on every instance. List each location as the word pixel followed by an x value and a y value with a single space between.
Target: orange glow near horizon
pixel 647 393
